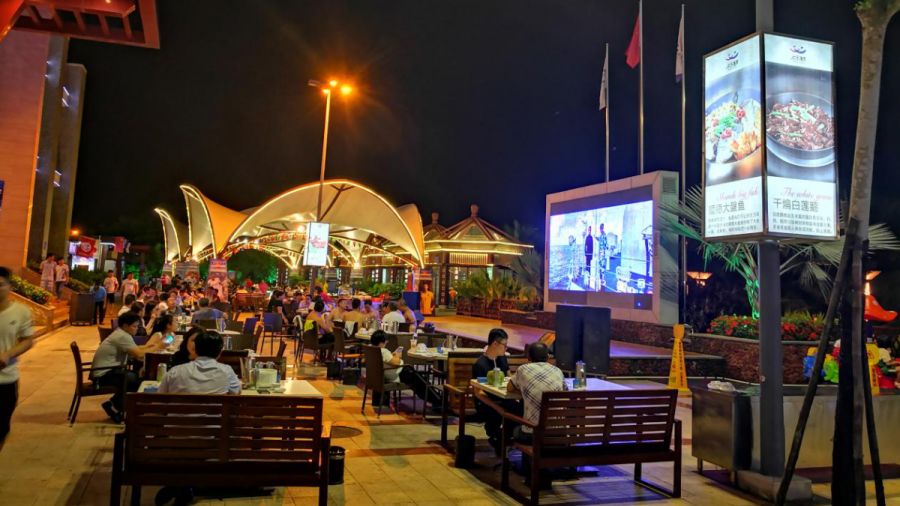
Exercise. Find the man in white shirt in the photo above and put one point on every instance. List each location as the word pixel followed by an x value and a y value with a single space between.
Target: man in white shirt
pixel 15 339
pixel 111 284
pixel 129 285
pixel 61 275
pixel 126 305
pixel 48 271
pixel 112 353
pixel 203 374
pixel 394 315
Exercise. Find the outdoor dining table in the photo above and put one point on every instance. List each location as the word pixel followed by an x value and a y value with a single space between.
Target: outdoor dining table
pixel 432 355
pixel 292 388
pixel 593 384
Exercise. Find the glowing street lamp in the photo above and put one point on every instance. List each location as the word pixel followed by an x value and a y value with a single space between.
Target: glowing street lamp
pixel 327 88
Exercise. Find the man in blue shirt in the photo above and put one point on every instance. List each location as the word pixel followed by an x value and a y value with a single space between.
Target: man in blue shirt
pixel 203 374
pixel 99 303
pixel 205 312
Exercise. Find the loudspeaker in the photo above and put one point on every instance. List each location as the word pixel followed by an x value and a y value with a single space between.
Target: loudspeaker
pixel 595 339
pixel 569 327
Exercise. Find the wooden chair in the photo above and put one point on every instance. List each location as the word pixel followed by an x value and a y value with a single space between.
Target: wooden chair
pixel 457 399
pixel 207 324
pixel 273 326
pixel 344 349
pixel 233 359
pixel 84 385
pixel 606 427
pixel 104 332
pixel 375 380
pixel 234 326
pixel 403 327
pixel 211 440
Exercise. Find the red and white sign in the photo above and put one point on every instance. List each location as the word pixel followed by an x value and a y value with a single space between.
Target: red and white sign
pixel 87 247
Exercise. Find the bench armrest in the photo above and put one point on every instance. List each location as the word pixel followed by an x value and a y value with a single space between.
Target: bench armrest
pixel 456 390
pixel 518 419
pixel 326 430
pixel 481 396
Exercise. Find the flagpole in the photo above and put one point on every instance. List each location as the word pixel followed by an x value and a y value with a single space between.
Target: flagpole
pixel 684 285
pixel 641 89
pixel 606 110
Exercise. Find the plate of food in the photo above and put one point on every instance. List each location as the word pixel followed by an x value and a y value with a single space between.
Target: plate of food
pixel 800 129
pixel 732 137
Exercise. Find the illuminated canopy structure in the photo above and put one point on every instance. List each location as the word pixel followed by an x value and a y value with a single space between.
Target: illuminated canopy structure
pixel 361 222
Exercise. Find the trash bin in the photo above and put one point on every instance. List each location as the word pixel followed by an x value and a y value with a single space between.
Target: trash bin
pixel 333 368
pixel 336 465
pixel 465 451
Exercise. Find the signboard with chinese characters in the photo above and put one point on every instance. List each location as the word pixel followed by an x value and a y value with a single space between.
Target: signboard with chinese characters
pixel 801 163
pixel 316 251
pixel 770 167
pixel 217 279
pixel 732 141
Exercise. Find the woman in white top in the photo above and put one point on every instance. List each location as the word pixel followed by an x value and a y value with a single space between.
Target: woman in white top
pixel 163 330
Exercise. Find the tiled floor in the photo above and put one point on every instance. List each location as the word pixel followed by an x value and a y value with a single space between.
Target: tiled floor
pixel 391 460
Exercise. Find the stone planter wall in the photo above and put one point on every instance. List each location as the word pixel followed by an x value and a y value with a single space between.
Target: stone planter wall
pixel 742 356
pixel 478 307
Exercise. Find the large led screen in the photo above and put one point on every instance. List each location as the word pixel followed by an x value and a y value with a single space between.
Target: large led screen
pixel 316 251
pixel 801 165
pixel 608 249
pixel 732 141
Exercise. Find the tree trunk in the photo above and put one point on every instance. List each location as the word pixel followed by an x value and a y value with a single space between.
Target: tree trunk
pixel 874 16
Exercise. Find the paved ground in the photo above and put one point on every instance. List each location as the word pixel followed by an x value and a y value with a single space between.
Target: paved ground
pixel 391 460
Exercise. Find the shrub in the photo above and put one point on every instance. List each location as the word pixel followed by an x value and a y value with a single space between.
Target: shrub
pixel 26 289
pixel 798 326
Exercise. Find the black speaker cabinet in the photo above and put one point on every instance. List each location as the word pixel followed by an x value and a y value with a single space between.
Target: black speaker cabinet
pixel 595 339
pixel 569 326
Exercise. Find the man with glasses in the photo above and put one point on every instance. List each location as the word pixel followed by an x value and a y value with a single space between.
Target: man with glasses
pixel 494 357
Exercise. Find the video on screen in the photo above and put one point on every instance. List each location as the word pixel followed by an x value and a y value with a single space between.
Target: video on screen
pixel 608 249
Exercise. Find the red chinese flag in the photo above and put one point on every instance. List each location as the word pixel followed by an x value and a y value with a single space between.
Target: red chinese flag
pixel 633 53
pixel 87 247
pixel 120 244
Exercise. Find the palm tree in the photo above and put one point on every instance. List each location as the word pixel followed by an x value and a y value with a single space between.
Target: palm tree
pixel 814 260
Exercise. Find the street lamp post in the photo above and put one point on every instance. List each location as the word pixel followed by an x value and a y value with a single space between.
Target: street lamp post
pixel 327 88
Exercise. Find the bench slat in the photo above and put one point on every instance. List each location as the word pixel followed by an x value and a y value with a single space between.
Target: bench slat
pixel 290 444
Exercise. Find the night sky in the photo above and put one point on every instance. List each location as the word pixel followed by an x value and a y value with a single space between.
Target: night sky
pixel 489 102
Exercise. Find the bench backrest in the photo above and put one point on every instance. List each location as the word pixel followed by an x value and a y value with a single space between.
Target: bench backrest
pixel 163 430
pixel 607 417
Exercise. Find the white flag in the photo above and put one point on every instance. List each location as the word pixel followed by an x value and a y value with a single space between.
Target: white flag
pixel 679 51
pixel 604 87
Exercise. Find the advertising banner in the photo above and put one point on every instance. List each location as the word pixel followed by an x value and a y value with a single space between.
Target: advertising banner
pixel 188 270
pixel 316 251
pixel 801 167
pixel 770 166
pixel 87 247
pixel 732 141
pixel 217 279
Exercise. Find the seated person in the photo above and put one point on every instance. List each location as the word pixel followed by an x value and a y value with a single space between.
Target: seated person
pixel 354 315
pixel 393 315
pixel 182 355
pixel 323 325
pixel 126 304
pixel 408 315
pixel 276 305
pixel 203 374
pixel 494 357
pixel 205 312
pixel 114 351
pixel 369 312
pixel 395 371
pixel 532 380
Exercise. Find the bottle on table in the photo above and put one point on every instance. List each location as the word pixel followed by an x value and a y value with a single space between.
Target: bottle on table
pixel 161 370
pixel 580 381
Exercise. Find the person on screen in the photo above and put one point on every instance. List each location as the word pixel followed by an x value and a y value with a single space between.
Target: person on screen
pixel 588 251
pixel 602 246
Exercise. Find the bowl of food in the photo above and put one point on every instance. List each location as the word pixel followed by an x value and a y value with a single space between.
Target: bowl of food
pixel 800 129
pixel 732 138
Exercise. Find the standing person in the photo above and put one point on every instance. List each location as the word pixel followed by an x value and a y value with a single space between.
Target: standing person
pixel 130 285
pixel 61 274
pixel 15 339
pixel 602 246
pixel 111 284
pixel 113 352
pixel 588 252
pixel 99 303
pixel 426 298
pixel 48 271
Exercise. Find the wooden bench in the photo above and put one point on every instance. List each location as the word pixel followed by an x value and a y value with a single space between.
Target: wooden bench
pixel 221 440
pixel 605 427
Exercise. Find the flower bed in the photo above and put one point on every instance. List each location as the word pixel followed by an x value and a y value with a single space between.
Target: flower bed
pixel 477 306
pixel 794 327
pixel 29 291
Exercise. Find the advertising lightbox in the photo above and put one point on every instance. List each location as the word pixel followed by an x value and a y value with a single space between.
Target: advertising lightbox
pixel 316 251
pixel 770 166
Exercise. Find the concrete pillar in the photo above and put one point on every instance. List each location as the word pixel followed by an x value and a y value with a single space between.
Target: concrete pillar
pixel 23 63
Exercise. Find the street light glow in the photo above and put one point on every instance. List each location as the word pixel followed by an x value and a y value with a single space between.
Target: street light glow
pixel 333 83
pixel 326 91
pixel 346 89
